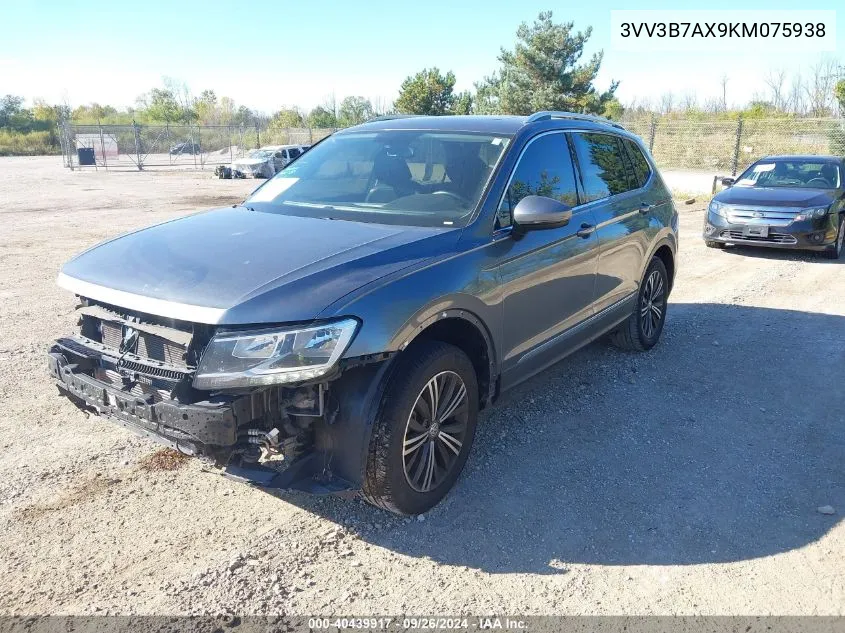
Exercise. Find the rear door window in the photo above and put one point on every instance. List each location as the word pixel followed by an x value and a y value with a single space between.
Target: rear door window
pixel 642 169
pixel 544 169
pixel 602 165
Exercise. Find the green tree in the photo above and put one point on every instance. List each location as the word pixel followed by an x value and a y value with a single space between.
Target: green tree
pixel 613 109
pixel 321 117
pixel 162 106
pixel 206 107
pixel 286 118
pixel 11 108
pixel 427 92
pixel 241 115
pixel 354 110
pixel 463 103
pixel 839 93
pixel 544 72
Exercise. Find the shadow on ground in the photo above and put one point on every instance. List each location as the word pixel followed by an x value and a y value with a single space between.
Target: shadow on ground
pixel 786 254
pixel 717 446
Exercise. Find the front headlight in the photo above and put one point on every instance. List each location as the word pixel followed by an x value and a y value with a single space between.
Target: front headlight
pixel 810 214
pixel 272 356
pixel 718 208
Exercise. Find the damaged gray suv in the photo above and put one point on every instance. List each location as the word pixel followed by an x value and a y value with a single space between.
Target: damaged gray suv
pixel 340 330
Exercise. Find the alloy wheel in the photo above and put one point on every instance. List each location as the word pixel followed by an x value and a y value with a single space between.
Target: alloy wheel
pixel 435 431
pixel 652 304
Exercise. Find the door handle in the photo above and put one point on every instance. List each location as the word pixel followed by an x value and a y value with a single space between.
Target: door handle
pixel 645 208
pixel 586 230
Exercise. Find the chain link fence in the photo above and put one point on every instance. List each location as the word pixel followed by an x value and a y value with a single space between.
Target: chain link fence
pixel 719 146
pixel 729 146
pixel 138 147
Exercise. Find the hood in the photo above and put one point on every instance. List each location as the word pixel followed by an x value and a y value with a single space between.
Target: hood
pixel 775 196
pixel 235 266
pixel 249 162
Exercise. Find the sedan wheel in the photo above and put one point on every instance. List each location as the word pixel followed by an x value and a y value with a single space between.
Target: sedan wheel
pixel 835 250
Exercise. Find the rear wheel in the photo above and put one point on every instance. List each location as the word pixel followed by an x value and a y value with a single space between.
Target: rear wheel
pixel 641 331
pixel 422 437
pixel 834 251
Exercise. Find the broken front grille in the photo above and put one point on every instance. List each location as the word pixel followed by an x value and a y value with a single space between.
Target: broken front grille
pixel 126 334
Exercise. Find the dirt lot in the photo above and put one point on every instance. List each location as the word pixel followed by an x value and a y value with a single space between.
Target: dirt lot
pixel 682 481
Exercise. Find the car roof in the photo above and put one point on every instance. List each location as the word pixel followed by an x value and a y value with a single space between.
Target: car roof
pixel 504 124
pixel 822 157
pixel 274 147
pixel 507 125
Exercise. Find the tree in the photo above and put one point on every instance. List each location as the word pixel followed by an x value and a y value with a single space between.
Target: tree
pixel 427 92
pixel 775 80
pixel 463 103
pixel 819 87
pixel 613 109
pixel 162 106
pixel 286 118
pixel 689 101
pixel 11 106
pixel 206 107
pixel 320 117
pixel 723 81
pixel 839 93
pixel 354 110
pixel 543 73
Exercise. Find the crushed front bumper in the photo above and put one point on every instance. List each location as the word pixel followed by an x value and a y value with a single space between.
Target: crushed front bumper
pixel 214 427
pixel 192 428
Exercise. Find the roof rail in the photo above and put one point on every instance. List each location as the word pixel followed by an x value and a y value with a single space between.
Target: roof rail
pixel 391 117
pixel 552 114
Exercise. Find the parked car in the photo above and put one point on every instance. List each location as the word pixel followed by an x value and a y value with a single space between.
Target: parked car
pixel 342 328
pixel 782 202
pixel 265 162
pixel 185 148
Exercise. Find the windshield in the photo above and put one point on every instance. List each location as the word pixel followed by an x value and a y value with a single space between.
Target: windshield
pixel 416 178
pixel 261 153
pixel 809 174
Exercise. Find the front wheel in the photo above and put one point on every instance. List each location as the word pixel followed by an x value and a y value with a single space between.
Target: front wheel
pixel 424 431
pixel 834 251
pixel 712 244
pixel 641 331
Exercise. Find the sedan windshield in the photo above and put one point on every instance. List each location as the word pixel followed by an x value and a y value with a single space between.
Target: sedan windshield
pixel 808 174
pixel 415 178
pixel 261 153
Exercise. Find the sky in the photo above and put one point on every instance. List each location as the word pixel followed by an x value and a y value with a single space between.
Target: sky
pixel 299 53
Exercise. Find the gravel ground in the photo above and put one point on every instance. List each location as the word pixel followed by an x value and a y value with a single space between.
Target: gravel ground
pixel 687 480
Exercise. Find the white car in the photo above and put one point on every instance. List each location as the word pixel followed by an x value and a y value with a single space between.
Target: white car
pixel 266 161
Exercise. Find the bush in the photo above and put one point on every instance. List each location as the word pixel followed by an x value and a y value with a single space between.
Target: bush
pixel 28 143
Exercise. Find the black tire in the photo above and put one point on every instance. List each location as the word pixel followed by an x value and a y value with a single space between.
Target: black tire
pixel 641 331
pixel 835 250
pixel 712 244
pixel 389 476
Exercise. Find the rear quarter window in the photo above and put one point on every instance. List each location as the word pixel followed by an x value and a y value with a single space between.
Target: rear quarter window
pixel 642 170
pixel 603 167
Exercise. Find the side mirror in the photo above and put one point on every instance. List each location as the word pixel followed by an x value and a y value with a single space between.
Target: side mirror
pixel 540 212
pixel 727 182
